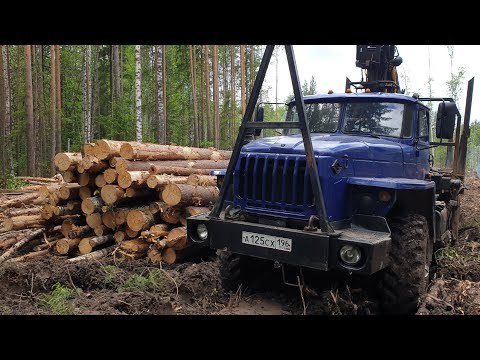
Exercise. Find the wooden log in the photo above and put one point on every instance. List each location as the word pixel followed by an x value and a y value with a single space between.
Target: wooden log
pixel 80 168
pixel 54 199
pixel 171 214
pixel 127 179
pixel 108 219
pixel 154 256
pixel 100 181
pixel 101 230
pixel 70 176
pixel 19 201
pixel 12 237
pixel 94 220
pixel 27 211
pixel 94 165
pixel 174 194
pixel 177 238
pixel 95 254
pixel 86 180
pixel 139 193
pixel 160 228
pixel 37 179
pixel 106 149
pixel 121 216
pixel 71 223
pixel 156 231
pixel 86 245
pixel 119 236
pixel 69 191
pixel 158 181
pixel 196 210
pixel 84 192
pixel 8 254
pixel 79 232
pixel 134 246
pixel 67 161
pixel 169 255
pixel 112 194
pixel 131 233
pixel 64 246
pixel 121 164
pixel 113 161
pixel 110 175
pixel 72 208
pixel 202 180
pixel 144 151
pixel 92 204
pixel 130 256
pixel 179 171
pixel 22 222
pixel 88 149
pixel 44 246
pixel 140 219
pixel 30 255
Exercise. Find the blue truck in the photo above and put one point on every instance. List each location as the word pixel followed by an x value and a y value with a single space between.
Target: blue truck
pixel 349 185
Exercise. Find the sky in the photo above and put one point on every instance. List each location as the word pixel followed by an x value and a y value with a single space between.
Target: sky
pixel 330 64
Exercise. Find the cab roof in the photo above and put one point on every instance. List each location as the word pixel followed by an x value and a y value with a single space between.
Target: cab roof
pixel 359 96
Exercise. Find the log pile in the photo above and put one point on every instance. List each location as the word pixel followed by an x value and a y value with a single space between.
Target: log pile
pixel 126 198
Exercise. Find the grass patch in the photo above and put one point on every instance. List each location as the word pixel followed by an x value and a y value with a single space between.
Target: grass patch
pixel 58 301
pixel 465 255
pixel 112 275
pixel 13 183
pixel 5 310
pixel 155 279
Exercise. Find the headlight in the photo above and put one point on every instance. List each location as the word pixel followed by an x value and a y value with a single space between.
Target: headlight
pixel 350 255
pixel 202 232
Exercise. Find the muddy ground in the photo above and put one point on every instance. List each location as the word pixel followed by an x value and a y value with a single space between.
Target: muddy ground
pixel 110 286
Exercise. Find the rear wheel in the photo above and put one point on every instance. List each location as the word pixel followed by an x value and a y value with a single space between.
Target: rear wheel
pixel 407 277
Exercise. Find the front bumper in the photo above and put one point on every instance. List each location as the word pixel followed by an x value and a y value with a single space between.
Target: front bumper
pixel 314 250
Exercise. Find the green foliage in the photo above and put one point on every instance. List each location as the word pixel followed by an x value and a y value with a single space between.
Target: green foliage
pixel 14 183
pixel 58 301
pixel 155 279
pixel 112 274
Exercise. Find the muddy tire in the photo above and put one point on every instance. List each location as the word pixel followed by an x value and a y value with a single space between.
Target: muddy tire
pixel 407 277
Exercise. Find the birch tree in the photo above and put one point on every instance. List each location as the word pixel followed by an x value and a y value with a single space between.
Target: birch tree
pixel 29 108
pixel 138 93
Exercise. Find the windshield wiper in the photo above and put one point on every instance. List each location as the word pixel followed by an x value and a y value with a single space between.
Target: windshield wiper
pixel 366 133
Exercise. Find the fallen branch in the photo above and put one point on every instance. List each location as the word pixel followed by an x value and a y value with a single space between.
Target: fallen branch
pixel 8 254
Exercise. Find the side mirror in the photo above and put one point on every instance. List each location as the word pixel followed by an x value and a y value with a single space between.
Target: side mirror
pixel 445 124
pixel 259 118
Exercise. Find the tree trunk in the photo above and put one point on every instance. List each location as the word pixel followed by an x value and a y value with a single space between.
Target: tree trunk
pixel 216 124
pixel 58 99
pixel 116 72
pixel 94 255
pixel 233 100
pixel 164 89
pixel 201 125
pixel 53 129
pixel 207 88
pixel 193 77
pixel 29 106
pixel 159 86
pixel 174 194
pixel 89 93
pixel 242 77
pixel 132 150
pixel 18 212
pixel 158 181
pixel 23 222
pixel 127 165
pixel 138 94
pixel 3 156
pixel 180 171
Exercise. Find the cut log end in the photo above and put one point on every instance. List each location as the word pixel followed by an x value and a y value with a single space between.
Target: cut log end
pixel 169 255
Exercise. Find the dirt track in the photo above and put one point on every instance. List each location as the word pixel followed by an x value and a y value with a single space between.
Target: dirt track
pixel 53 286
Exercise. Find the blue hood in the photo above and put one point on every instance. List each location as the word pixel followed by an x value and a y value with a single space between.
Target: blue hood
pixel 354 146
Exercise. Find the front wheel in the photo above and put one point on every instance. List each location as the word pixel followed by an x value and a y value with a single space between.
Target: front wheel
pixel 406 279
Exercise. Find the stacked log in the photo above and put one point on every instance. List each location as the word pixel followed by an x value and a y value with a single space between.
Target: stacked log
pixel 126 198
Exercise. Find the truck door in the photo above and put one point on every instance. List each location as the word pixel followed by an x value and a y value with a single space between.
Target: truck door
pixel 422 152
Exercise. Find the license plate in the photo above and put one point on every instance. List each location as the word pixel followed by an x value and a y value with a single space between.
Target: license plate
pixel 267 241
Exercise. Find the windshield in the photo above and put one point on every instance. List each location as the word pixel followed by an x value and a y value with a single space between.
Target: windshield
pixel 377 118
pixel 320 117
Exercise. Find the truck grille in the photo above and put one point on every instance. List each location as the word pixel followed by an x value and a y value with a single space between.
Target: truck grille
pixel 275 182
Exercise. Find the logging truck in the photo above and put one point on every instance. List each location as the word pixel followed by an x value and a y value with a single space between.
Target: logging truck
pixel 349 186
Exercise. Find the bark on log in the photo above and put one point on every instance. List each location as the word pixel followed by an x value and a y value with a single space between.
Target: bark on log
pixel 94 220
pixel 72 223
pixel 196 210
pixel 19 201
pixel 142 151
pixel 110 175
pixel 44 246
pixel 112 194
pixel 30 255
pixel 177 238
pixel 127 179
pixel 64 246
pixel 18 212
pixel 7 254
pixel 140 219
pixel 106 149
pixel 158 181
pixel 23 222
pixel 174 194
pixel 202 180
pixel 100 181
pixel 70 176
pixel 67 161
pixel 86 245
pixel 179 171
pixel 94 255
pixel 69 191
pixel 92 204
pixel 65 210
pixel 36 178
pixel 169 255
pixel 80 232
pixel 121 164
